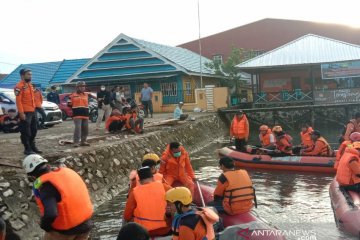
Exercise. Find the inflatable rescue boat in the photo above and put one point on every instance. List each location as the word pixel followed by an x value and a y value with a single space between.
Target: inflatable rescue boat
pixel 346 207
pixel 289 163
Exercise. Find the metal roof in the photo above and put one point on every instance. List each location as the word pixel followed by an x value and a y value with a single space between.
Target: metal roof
pixel 308 49
pixel 181 56
pixel 42 73
pixel 126 57
pixel 68 68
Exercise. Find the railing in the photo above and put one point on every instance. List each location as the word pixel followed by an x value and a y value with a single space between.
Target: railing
pixel 174 97
pixel 284 96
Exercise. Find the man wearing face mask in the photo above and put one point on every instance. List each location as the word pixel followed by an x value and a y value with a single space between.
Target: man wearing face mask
pixel 104 107
pixel 25 103
pixel 175 166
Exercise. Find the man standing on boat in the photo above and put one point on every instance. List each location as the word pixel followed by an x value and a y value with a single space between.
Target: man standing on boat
pixel 234 192
pixel 175 166
pixel 239 130
pixel 348 172
pixel 352 126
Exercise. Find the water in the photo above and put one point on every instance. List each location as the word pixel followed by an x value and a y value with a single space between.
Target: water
pixel 289 201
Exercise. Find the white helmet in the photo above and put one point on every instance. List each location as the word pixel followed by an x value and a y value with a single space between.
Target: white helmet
pixel 32 161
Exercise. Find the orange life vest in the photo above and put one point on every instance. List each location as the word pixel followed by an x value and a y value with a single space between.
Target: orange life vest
pixel 75 206
pixel 112 119
pixel 150 205
pixel 344 175
pixel 80 105
pixel 172 166
pixel 240 128
pixel 129 116
pixel 306 138
pixel 208 216
pixel 38 98
pixel 240 189
pixel 326 150
pixel 25 100
pixel 283 143
pixel 265 139
pixel 340 152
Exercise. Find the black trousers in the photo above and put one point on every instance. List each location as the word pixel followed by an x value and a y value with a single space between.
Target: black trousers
pixel 43 115
pixel 28 129
pixel 240 144
pixel 116 126
pixel 355 187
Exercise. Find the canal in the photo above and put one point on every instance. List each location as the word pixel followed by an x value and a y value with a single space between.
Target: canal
pixel 289 201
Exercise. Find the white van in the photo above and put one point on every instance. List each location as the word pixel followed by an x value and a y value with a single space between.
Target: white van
pixel 52 111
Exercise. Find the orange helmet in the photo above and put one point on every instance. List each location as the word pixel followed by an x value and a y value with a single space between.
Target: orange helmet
pixel 356 145
pixel 277 129
pixel 355 137
pixel 263 128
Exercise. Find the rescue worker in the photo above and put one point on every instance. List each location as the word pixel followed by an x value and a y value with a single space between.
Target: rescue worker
pixel 283 141
pixel 38 107
pixel 354 137
pixel 190 223
pixel 63 200
pixel 234 192
pixel 266 137
pixel 321 146
pixel 305 135
pixel 146 204
pixel 115 122
pixel 152 161
pixel 25 103
pixel 348 172
pixel 239 130
pixel 133 231
pixel 352 126
pixel 134 123
pixel 79 101
pixel 175 166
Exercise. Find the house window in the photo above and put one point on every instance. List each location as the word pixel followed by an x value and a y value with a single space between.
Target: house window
pixel 138 88
pixel 169 89
pixel 218 58
pixel 188 88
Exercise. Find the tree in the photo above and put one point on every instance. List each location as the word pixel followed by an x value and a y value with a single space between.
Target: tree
pixel 231 74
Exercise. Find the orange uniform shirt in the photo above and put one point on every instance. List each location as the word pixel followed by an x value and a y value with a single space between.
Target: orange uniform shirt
pixel 25 97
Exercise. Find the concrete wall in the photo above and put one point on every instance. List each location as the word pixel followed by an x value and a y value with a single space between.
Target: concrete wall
pixel 104 167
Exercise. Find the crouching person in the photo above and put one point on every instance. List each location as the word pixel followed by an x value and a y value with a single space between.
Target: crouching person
pixel 190 223
pixel 115 122
pixel 63 200
pixel 234 193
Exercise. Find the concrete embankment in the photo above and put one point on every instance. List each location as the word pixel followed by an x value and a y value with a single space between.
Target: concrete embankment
pixel 104 167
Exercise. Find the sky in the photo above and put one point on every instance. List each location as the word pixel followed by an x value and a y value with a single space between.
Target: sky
pixel 52 30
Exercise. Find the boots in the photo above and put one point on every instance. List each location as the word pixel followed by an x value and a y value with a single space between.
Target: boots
pixel 28 150
pixel 34 148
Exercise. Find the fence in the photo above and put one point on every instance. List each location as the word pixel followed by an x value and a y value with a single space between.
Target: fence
pixel 174 97
pixel 284 96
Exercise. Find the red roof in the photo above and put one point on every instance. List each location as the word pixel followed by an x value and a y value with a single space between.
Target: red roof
pixel 267 34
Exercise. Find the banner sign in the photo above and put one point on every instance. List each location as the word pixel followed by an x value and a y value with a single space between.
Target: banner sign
pixel 337 96
pixel 340 70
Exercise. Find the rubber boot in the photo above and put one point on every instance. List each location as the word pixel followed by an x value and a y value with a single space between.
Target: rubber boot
pixel 28 150
pixel 34 148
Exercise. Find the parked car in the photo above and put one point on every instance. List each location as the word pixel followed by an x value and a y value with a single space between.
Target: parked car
pixel 67 111
pixel 52 111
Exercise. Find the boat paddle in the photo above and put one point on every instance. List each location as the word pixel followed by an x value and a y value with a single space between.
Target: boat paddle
pixel 200 193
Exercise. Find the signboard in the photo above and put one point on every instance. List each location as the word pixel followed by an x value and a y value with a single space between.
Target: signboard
pixel 340 70
pixel 337 96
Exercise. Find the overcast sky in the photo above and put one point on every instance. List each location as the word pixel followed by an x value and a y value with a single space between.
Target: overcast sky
pixel 52 30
